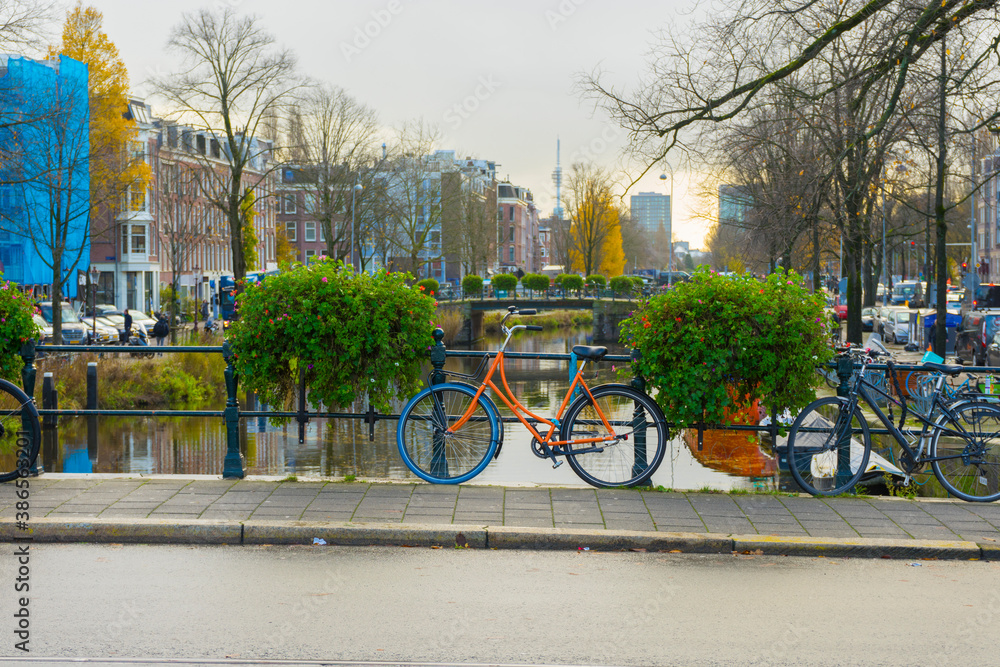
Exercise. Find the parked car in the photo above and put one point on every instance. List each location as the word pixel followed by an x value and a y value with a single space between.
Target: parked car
pixel 993 351
pixel 884 318
pixel 977 329
pixel 986 297
pixel 896 326
pixel 99 331
pixel 73 330
pixel 868 319
pixel 910 292
pixel 840 308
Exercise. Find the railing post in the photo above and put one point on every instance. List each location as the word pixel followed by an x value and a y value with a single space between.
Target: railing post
pixel 29 370
pixel 233 467
pixel 438 357
pixel 439 462
pixel 845 370
pixel 638 418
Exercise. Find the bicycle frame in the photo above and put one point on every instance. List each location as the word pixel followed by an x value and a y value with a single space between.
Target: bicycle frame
pixel 521 411
pixel 864 390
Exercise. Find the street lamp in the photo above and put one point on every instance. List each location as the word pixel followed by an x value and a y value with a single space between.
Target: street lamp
pixel 94 274
pixel 670 232
pixel 354 191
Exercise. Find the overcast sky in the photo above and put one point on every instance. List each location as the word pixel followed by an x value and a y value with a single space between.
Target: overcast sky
pixel 497 78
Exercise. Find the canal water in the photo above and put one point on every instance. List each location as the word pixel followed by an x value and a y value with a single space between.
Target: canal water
pixel 335 449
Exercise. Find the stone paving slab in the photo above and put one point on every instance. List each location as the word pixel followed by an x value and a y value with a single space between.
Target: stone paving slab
pixel 206 510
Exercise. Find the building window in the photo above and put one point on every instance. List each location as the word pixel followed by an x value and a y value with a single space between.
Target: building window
pixel 139 239
pixel 511 239
pixel 322 235
pixel 511 253
pixel 512 214
pixel 138 199
pixel 290 228
pixel 309 256
pixel 544 252
pixel 290 203
pixel 310 231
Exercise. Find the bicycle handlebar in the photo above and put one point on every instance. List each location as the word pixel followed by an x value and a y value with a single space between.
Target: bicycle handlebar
pixel 534 327
pixel 526 311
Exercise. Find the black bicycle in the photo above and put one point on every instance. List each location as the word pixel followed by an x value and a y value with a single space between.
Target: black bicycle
pixel 830 442
pixel 20 433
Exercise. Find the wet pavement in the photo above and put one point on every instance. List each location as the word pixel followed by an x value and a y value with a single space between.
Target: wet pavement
pixel 210 510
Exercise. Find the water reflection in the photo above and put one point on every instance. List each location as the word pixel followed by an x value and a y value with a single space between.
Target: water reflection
pixel 342 447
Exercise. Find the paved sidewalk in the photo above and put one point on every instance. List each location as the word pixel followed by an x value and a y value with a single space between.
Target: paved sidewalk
pixel 95 508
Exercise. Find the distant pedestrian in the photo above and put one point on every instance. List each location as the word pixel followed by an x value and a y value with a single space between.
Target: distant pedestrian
pixel 128 328
pixel 161 329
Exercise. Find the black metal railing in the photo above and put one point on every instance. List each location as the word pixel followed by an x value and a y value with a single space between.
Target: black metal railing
pixel 232 414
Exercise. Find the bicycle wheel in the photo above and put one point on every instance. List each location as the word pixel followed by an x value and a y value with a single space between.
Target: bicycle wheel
pixel 640 429
pixel 828 448
pixel 430 450
pixel 966 457
pixel 20 433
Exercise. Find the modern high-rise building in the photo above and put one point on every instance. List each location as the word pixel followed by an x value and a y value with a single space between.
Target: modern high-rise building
pixel 733 204
pixel 650 210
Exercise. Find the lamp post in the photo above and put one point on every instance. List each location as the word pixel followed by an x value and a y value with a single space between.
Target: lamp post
pixel 354 191
pixel 670 232
pixel 94 274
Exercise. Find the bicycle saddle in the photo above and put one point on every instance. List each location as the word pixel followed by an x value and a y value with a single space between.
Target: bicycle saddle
pixel 589 352
pixel 944 368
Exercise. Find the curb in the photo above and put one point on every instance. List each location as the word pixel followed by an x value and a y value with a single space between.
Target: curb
pixel 861 547
pixel 235 533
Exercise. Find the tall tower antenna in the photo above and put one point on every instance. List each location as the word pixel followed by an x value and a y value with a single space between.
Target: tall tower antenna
pixel 557 179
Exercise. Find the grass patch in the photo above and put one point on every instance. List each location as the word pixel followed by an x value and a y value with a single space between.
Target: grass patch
pixel 187 380
pixel 550 320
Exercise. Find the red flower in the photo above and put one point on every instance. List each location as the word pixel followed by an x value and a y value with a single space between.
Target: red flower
pixel 678 319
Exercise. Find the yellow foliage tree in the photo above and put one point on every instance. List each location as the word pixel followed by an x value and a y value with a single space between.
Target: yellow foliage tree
pixel 595 244
pixel 612 256
pixel 113 169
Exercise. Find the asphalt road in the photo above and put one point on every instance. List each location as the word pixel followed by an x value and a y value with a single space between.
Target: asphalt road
pixel 367 604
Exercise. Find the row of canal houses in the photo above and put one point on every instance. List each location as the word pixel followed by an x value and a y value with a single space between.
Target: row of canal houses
pixel 170 232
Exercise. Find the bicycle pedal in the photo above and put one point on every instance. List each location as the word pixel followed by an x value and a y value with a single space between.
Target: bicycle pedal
pixel 556 464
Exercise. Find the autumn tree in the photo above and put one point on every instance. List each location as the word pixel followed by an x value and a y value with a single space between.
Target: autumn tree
pixel 595 235
pixel 470 225
pixel 235 80
pixel 113 167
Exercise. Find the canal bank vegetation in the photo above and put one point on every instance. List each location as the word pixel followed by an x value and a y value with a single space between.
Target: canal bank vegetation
pixel 183 381
pixel 554 319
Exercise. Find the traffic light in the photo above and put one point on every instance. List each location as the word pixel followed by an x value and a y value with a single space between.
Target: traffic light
pixel 913 243
pixel 965 267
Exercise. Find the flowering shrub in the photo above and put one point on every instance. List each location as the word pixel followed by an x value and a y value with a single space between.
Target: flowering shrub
pixel 16 328
pixel 430 286
pixel 352 334
pixel 721 336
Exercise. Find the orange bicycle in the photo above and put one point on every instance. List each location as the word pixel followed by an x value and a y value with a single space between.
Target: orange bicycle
pixel 612 435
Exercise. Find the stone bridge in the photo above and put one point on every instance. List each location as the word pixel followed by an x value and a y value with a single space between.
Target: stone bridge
pixel 608 313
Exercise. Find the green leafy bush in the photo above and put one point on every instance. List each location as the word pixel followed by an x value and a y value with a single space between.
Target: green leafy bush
pixel 505 282
pixel 16 328
pixel 536 282
pixel 596 280
pixel 718 336
pixel 472 285
pixel 623 284
pixel 429 286
pixel 352 334
pixel 637 283
pixel 570 282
